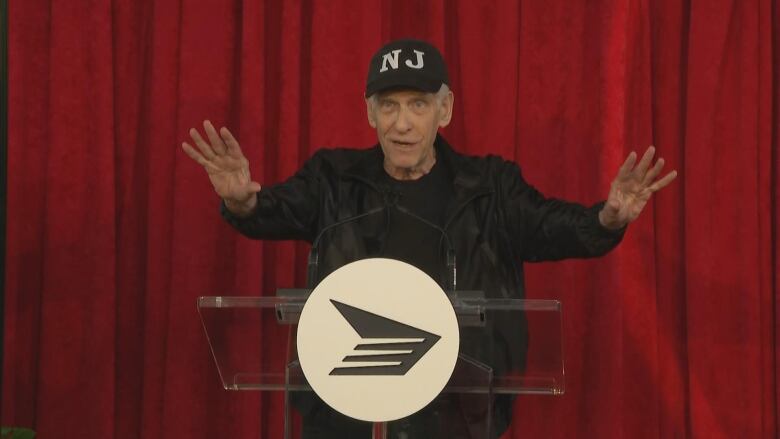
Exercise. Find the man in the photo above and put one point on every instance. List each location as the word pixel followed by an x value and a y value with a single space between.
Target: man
pixel 413 198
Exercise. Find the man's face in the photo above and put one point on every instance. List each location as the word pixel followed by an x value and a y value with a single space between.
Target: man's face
pixel 406 123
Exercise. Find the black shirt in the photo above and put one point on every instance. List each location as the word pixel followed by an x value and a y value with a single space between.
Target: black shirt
pixel 409 238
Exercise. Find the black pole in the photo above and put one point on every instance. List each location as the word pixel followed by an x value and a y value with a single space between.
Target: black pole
pixel 3 171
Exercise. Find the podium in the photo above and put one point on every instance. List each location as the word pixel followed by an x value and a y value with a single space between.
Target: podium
pixel 508 347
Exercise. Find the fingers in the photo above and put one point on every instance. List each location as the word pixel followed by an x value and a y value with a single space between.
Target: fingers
pixel 214 139
pixel 202 145
pixel 653 172
pixel 218 143
pixel 195 155
pixel 232 144
pixel 647 158
pixel 660 184
pixel 625 168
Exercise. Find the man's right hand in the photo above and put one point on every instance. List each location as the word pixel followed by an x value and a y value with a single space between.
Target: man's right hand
pixel 226 166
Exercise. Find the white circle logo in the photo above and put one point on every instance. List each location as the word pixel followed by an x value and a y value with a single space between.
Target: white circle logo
pixel 378 340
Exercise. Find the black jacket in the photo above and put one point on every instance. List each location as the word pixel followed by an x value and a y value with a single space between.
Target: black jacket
pixel 495 221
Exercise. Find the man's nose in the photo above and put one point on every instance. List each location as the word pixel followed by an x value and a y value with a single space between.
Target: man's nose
pixel 403 123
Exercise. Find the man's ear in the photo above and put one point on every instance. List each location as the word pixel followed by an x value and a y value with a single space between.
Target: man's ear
pixel 370 113
pixel 445 115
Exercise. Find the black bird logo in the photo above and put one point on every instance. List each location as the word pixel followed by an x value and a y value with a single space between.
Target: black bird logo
pixel 373 326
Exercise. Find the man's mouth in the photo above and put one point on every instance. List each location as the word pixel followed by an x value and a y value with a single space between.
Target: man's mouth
pixel 403 143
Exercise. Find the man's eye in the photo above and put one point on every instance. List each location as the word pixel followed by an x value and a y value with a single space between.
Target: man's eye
pixel 420 104
pixel 386 105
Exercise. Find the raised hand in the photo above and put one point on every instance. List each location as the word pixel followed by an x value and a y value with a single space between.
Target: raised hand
pixel 226 166
pixel 632 188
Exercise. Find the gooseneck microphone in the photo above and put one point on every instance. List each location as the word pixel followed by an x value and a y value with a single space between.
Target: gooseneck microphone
pixel 452 271
pixel 313 262
pixel 391 197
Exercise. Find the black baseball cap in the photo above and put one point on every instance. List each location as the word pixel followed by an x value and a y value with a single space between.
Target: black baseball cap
pixel 406 63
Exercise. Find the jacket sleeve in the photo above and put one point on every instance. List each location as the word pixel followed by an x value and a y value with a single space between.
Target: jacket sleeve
pixel 547 229
pixel 287 210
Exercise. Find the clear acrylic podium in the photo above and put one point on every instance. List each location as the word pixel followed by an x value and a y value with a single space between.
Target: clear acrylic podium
pixel 508 347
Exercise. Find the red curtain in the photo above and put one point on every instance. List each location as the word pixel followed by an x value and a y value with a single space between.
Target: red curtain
pixel 113 232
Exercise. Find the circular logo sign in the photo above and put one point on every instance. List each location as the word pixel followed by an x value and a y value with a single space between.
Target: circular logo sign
pixel 378 340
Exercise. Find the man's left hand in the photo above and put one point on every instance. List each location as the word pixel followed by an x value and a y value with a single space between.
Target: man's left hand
pixel 632 188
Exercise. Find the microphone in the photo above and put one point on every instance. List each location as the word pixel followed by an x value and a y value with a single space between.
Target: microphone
pixel 451 263
pixel 313 262
pixel 391 197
